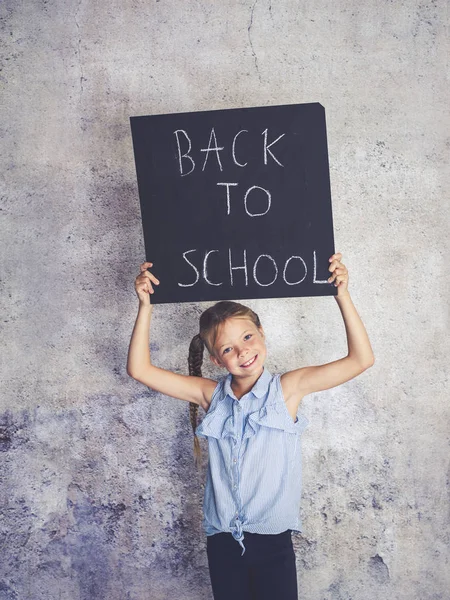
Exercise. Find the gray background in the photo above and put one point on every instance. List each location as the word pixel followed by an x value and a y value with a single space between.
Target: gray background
pixel 99 495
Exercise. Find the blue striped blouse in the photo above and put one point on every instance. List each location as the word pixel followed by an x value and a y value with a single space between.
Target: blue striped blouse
pixel 254 469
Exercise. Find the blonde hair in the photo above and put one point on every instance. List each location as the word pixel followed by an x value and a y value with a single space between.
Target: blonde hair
pixel 210 321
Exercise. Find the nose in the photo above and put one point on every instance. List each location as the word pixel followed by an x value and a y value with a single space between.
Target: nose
pixel 242 351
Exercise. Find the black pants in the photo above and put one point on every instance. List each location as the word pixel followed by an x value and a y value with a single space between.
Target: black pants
pixel 266 571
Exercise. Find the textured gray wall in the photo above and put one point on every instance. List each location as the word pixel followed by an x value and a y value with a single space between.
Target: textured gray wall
pixel 99 496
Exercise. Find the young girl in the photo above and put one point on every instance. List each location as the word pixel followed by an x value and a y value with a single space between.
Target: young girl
pixel 253 485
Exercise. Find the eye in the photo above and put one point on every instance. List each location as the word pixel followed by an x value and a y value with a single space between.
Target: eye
pixel 226 350
pixel 248 336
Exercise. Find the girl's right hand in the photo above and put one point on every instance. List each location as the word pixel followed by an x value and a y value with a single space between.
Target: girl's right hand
pixel 143 284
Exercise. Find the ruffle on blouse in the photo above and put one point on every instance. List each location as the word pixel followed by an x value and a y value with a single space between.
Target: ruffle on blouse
pixel 275 415
pixel 216 424
pixel 220 425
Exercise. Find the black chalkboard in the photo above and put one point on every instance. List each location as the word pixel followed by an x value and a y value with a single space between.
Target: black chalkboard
pixel 236 203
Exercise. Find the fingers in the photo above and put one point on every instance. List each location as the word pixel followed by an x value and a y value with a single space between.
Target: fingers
pixel 145 279
pixel 335 261
pixel 338 270
pixel 339 276
pixel 150 276
pixel 144 272
pixel 145 266
pixel 144 288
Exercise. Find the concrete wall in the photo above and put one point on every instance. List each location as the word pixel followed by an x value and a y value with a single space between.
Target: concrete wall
pixel 99 496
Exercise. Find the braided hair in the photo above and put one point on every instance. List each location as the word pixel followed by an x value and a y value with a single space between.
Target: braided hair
pixel 195 361
pixel 210 320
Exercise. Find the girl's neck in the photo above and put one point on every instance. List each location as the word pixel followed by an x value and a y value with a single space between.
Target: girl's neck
pixel 242 386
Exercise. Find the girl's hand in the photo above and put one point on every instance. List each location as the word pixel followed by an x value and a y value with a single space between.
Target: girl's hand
pixel 339 274
pixel 143 284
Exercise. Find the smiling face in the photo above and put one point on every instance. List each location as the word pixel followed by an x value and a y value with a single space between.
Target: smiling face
pixel 240 347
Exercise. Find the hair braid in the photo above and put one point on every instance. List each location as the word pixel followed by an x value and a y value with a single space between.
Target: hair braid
pixel 195 360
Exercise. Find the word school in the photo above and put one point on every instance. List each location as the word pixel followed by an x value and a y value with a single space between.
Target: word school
pixel 294 269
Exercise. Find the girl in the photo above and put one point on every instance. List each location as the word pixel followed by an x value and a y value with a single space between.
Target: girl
pixel 253 485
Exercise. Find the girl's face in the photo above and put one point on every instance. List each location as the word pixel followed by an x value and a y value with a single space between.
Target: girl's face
pixel 240 347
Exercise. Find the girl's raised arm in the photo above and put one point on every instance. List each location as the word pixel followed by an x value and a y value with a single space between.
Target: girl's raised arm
pixel 192 389
pixel 301 382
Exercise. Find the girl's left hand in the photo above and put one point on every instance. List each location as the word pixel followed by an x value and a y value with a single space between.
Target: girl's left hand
pixel 339 274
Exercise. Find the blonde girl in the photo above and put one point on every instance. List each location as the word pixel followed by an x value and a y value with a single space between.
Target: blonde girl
pixel 253 486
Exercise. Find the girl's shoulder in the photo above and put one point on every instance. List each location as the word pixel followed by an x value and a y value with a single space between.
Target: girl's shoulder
pixel 216 392
pixel 220 391
pixel 217 413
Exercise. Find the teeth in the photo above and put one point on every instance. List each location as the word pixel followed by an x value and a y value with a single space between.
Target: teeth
pixel 249 362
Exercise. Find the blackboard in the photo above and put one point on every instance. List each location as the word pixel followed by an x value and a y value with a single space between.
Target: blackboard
pixel 236 203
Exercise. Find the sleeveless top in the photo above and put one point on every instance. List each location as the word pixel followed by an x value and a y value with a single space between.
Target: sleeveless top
pixel 254 468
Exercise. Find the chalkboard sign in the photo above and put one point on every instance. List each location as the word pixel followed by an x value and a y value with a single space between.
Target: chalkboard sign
pixel 236 203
